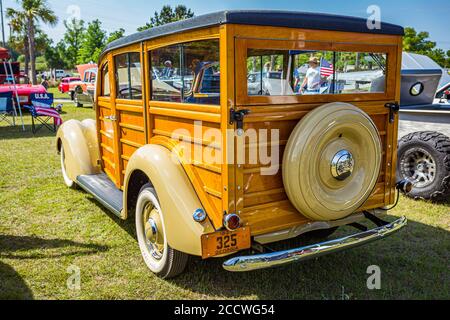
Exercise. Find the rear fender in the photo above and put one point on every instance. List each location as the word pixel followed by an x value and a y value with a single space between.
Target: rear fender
pixel 175 192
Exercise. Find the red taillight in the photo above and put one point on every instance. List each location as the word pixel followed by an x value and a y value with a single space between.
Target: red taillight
pixel 232 222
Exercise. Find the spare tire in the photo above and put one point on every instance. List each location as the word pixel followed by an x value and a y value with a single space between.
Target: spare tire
pixel 332 162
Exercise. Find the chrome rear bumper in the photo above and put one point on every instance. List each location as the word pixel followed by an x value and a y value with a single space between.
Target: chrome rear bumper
pixel 274 259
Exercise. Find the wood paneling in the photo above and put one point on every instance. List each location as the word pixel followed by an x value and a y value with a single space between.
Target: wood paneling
pixel 226 187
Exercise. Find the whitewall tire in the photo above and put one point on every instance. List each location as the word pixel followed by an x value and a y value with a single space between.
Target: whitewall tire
pixel 69 183
pixel 159 257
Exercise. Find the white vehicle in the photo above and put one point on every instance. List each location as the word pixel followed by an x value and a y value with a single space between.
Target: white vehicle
pixel 59 74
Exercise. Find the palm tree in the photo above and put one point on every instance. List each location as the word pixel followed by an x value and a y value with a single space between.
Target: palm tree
pixel 19 41
pixel 33 12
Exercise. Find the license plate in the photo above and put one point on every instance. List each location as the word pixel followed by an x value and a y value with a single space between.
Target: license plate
pixel 224 242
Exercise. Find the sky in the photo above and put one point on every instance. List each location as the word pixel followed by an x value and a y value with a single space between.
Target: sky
pixel 423 15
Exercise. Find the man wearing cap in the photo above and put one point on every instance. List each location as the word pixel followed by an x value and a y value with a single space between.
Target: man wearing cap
pixel 168 70
pixel 312 79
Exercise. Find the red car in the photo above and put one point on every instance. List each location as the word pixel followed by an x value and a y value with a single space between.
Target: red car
pixel 24 89
pixel 64 85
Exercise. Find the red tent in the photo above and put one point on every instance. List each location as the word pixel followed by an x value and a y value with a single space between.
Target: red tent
pixel 4 54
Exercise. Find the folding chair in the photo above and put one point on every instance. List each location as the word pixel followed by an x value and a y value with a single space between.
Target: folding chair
pixel 42 112
pixel 7 108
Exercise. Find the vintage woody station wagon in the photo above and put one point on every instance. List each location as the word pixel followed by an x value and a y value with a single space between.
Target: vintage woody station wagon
pixel 234 130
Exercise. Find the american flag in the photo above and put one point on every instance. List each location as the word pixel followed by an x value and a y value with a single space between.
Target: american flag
pixel 47 112
pixel 326 68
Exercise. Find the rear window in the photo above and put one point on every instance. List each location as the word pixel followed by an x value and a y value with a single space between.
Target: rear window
pixel 294 72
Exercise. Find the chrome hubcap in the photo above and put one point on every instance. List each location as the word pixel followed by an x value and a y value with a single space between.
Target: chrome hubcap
pixel 342 165
pixel 420 167
pixel 153 231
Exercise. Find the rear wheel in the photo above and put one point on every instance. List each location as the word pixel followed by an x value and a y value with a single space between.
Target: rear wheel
pixel 160 258
pixel 424 158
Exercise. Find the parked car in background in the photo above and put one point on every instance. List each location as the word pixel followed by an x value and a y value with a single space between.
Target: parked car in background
pixel 270 83
pixel 82 91
pixel 23 86
pixel 59 74
pixel 64 85
pixel 424 131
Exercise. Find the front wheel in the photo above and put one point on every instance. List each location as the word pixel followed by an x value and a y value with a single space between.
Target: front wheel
pixel 159 257
pixel 69 182
pixel 424 159
pixel 77 103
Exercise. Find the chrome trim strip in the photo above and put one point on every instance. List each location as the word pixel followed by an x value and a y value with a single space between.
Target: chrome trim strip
pixel 269 260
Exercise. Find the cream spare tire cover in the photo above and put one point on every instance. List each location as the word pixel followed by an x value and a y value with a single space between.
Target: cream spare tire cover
pixel 332 162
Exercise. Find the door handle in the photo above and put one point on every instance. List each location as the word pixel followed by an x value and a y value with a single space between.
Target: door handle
pixel 111 118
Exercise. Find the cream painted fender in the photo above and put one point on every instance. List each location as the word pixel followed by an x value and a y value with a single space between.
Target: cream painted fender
pixel 176 195
pixel 81 150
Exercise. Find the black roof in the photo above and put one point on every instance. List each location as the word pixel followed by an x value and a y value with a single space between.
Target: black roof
pixel 290 19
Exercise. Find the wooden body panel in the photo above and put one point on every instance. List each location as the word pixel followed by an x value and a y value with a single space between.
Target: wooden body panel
pixel 225 187
pixel 263 195
pixel 262 200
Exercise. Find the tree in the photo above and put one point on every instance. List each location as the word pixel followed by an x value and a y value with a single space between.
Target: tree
pixel 73 39
pixel 418 42
pixel 19 39
pixel 56 56
pixel 113 36
pixel 93 43
pixel 168 15
pixel 33 12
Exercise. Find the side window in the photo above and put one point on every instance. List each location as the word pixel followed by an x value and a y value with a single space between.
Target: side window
pixel 93 77
pixel 106 89
pixel 291 72
pixel 128 76
pixel 187 73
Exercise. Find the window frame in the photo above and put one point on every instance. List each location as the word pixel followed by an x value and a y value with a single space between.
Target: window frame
pixel 243 44
pixel 183 105
pixel 127 52
pixel 102 85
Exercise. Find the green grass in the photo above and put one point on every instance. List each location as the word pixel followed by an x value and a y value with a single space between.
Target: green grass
pixel 45 228
pixel 57 94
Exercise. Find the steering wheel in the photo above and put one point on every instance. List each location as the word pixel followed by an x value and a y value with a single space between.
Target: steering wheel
pixel 127 90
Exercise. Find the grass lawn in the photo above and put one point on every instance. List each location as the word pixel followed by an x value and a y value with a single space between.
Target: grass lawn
pixel 57 94
pixel 47 229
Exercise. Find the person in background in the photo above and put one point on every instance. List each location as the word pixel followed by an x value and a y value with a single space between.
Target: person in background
pixel 267 67
pixel 168 70
pixel 311 83
pixel 44 82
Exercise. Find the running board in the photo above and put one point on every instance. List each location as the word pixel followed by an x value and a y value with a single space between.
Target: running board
pixel 104 190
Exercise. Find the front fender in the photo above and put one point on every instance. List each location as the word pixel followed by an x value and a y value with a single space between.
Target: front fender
pixel 176 194
pixel 80 142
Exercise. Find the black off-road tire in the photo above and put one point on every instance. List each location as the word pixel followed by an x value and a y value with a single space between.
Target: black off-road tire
pixel 438 146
